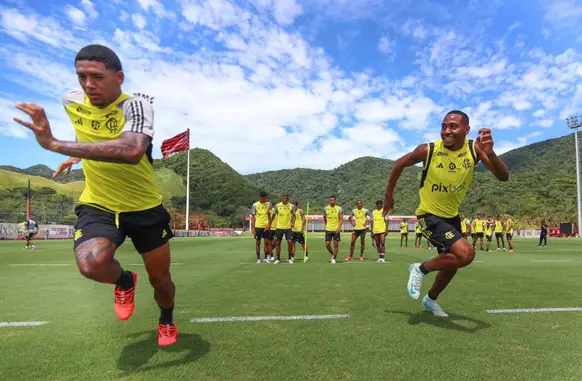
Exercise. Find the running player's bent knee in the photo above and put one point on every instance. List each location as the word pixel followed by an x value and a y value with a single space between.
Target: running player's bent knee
pixel 162 281
pixel 467 257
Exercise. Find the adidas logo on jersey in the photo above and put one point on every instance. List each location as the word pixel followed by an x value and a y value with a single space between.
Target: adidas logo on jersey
pixel 79 121
pixel 440 165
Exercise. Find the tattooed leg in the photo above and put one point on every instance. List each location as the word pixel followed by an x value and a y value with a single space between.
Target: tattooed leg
pixel 95 260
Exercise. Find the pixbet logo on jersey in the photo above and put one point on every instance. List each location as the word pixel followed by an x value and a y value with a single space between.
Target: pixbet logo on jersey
pixel 451 188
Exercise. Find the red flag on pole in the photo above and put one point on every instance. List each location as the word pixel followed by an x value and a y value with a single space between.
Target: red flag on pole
pixel 178 143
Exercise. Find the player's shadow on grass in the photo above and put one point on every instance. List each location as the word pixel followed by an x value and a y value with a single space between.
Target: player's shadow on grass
pixel 135 357
pixel 468 324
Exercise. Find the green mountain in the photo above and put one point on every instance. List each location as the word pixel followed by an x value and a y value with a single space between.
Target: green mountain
pixel 44 171
pixel 542 183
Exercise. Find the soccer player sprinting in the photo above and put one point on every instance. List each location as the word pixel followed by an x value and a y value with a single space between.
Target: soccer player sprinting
pixel 490 225
pixel 404 232
pixel 543 233
pixel 478 228
pixel 499 233
pixel 114 134
pixel 509 232
pixel 333 216
pixel 418 239
pixel 285 214
pixel 359 220
pixel 447 173
pixel 299 228
pixel 259 222
pixel 380 228
pixel 31 230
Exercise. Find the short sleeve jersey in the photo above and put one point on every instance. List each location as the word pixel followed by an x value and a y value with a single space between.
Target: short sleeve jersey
pixel 284 213
pixel 115 187
pixel 445 178
pixel 478 225
pixel 379 221
pixel 333 217
pixel 509 225
pixel 298 225
pixel 261 213
pixel 32 225
pixel 403 227
pixel 360 216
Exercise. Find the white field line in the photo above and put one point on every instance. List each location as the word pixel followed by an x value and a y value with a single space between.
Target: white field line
pixel 531 310
pixel 479 261
pixel 5 324
pixel 39 264
pixel 263 318
pixel 141 264
pixel 550 260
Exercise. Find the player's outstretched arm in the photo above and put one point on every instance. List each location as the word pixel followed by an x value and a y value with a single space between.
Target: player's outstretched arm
pixel 127 149
pixel 408 160
pixel 484 150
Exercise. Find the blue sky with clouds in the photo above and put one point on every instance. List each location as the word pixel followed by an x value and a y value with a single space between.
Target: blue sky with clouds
pixel 271 84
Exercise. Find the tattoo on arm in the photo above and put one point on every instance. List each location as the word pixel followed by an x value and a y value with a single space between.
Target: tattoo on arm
pixel 127 149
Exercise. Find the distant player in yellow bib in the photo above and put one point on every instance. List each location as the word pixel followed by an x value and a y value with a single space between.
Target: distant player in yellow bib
pixel 114 134
pixel 285 214
pixel 447 173
pixel 463 226
pixel 418 239
pixel 404 232
pixel 271 233
pixel 499 229
pixel 509 232
pixel 359 220
pixel 299 228
pixel 479 229
pixel 333 216
pixel 489 227
pixel 379 228
pixel 259 222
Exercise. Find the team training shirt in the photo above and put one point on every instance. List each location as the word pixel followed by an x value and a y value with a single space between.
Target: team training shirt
pixel 446 176
pixel 31 225
pixel 403 227
pixel 333 217
pixel 498 227
pixel 284 213
pixel 379 226
pixel 261 213
pixel 509 225
pixel 360 216
pixel 298 225
pixel 489 231
pixel 418 229
pixel 463 226
pixel 115 187
pixel 274 217
pixel 478 226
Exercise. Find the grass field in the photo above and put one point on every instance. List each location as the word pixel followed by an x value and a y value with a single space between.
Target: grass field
pixel 386 337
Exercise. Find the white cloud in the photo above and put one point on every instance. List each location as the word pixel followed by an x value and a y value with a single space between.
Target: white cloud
pixel 284 11
pixel 518 101
pixel 139 20
pixel 545 123
pixel 509 122
pixel 89 7
pixel 215 14
pixel 513 26
pixel 386 45
pixel 157 7
pixel 123 15
pixel 564 13
pixel 76 15
pixel 413 111
pixel 539 113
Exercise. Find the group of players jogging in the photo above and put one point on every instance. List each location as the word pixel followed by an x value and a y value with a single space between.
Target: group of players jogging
pixel 114 133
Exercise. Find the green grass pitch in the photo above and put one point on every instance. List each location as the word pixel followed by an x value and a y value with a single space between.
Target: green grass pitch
pixel 386 337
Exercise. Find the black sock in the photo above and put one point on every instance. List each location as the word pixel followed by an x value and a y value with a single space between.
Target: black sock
pixel 167 315
pixel 258 255
pixel 125 280
pixel 278 257
pixel 423 269
pixel 381 255
pixel 430 295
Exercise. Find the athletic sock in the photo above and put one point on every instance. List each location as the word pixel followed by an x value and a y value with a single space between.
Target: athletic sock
pixel 167 315
pixel 423 269
pixel 431 296
pixel 381 255
pixel 258 255
pixel 125 280
pixel 306 254
pixel 279 257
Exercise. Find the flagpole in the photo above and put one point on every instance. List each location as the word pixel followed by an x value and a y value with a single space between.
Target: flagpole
pixel 28 195
pixel 188 188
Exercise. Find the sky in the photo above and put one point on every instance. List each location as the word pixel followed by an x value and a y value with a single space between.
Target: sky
pixel 274 84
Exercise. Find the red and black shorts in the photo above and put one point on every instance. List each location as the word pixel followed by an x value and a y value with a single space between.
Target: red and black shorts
pixel 148 229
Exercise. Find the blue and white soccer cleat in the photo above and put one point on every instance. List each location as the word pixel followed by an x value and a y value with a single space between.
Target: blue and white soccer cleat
pixel 415 281
pixel 433 307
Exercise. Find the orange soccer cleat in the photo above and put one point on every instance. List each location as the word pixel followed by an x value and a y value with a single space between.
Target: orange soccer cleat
pixel 361 258
pixel 349 259
pixel 124 300
pixel 167 334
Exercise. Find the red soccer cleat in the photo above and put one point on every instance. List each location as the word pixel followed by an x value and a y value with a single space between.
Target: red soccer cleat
pixel 362 259
pixel 167 334
pixel 124 300
pixel 349 259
